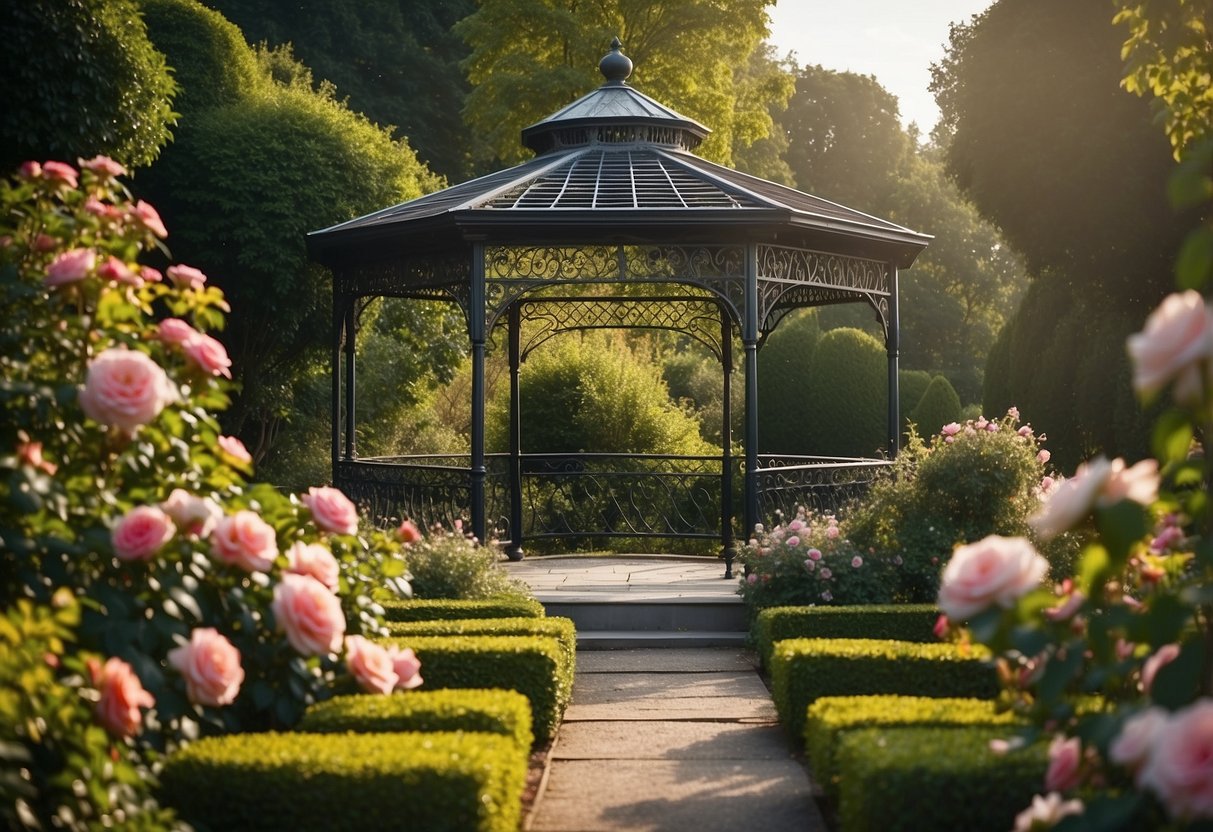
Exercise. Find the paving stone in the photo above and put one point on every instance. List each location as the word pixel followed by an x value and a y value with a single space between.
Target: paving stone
pixel 666 661
pixel 665 740
pixel 656 696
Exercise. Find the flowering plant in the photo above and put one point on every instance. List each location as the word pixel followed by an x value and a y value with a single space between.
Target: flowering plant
pixel 220 604
pixel 1133 625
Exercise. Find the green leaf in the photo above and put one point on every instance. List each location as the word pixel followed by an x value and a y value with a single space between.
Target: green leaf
pixel 1195 262
pixel 1172 437
pixel 1177 682
pixel 1092 567
pixel 1059 672
pixel 1122 526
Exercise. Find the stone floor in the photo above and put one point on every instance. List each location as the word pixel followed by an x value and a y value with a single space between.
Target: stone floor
pixel 653 577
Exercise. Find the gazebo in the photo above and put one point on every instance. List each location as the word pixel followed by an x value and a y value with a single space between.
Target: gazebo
pixel 614 224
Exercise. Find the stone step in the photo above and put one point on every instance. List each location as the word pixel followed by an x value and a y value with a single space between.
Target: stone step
pixel 620 612
pixel 626 639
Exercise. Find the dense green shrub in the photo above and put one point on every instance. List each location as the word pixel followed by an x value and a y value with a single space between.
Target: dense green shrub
pixel 561 629
pixel 785 363
pixel 831 718
pixel 914 778
pixel 441 609
pixel 803 670
pixel 449 565
pixel 272 782
pixel 938 406
pixel 847 410
pixel 532 665
pixel 504 712
pixel 910 387
pixel 904 622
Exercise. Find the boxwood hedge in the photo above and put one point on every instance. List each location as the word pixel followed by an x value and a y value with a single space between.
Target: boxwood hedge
pixel 437 609
pixel 561 629
pixel 905 622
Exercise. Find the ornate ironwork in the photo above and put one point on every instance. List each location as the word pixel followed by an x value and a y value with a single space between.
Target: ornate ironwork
pixel 427 490
pixel 820 484
pixel 836 271
pixel 406 275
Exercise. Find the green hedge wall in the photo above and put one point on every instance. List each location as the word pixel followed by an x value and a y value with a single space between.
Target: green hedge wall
pixel 804 670
pixel 271 782
pixel 505 712
pixel 561 629
pixel 532 665
pixel 910 779
pixel 441 609
pixel 904 622
pixel 833 717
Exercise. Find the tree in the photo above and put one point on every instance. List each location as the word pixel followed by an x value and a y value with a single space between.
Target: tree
pixel 530 57
pixel 80 78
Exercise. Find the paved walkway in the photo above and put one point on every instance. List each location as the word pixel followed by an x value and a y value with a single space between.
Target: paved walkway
pixel 623 577
pixel 669 740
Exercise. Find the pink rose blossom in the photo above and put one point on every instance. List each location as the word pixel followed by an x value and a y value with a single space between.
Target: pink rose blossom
pixel 1065 612
pixel 194 516
pixel 810 565
pixel 122 695
pixel 825 573
pixel 1139 483
pixel 245 540
pixel 315 560
pixel 331 510
pixel 29 454
pixel 1176 344
pixel 309 614
pixel 149 218
pixel 751 579
pixel 814 554
pixel 370 665
pixel 59 172
pixel 1046 812
pixel 408 667
pixel 951 429
pixel 1132 747
pixel 150 275
pixel 45 242
pixel 1179 769
pixel 1073 499
pixel 793 541
pixel 1013 412
pixel 125 389
pixel 832 532
pixel 186 277
pixel 30 170
pixel 70 267
pixel 233 449
pixel 117 271
pixel 796 525
pixel 827 596
pixel 1162 657
pixel 1065 764
pixel 409 533
pixel 211 667
pixel 208 354
pixel 995 570
pixel 857 561
pixel 141 533
pixel 992 427
pixel 1025 431
pixel 174 331
pixel 941 626
pixel 1043 456
pixel 103 166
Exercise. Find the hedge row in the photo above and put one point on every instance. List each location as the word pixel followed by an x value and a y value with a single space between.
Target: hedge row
pixel 439 782
pixel 804 670
pixel 504 712
pixel 561 629
pixel 903 622
pixel 440 609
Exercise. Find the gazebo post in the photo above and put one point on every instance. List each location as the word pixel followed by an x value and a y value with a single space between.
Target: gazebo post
pixel 514 550
pixel 476 332
pixel 893 348
pixel 350 336
pixel 749 341
pixel 726 442
pixel 335 359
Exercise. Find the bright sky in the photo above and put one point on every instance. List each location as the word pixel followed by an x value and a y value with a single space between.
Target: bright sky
pixel 895 40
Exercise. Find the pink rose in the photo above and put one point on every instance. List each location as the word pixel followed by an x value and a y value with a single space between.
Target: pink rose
pixel 186 277
pixel 951 429
pixel 1043 456
pixel 70 267
pixel 309 614
pixel 117 271
pixel 243 539
pixel 751 579
pixel 409 533
pixel 315 560
pixel 370 665
pixel 1132 747
pixel 995 570
pixel 211 667
pixel 1065 764
pixel 141 533
pixel 1177 343
pixel 122 695
pixel 149 218
pixel 825 573
pixel 45 242
pixel 1046 812
pixel 1065 611
pixel 234 451
pixel 59 172
pixel 30 170
pixel 793 541
pixel 103 166
pixel 150 275
pixel 857 561
pixel 208 354
pixel 195 516
pixel 832 532
pixel 1013 412
pixel 1139 483
pixel 30 454
pixel 408 667
pixel 810 565
pixel 814 554
pixel 331 510
pixel 174 331
pixel 125 389
pixel 1025 431
pixel 941 627
pixel 1072 500
pixel 1179 769
pixel 1162 657
pixel 796 525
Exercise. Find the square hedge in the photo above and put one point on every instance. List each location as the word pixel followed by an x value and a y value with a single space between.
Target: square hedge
pixel 903 622
pixel 561 629
pixel 437 609
pixel 439 782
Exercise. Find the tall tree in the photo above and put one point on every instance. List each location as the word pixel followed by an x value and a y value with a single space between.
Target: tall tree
pixel 531 57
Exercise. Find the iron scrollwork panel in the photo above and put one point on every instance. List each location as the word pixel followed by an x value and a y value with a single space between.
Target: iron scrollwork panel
pixel 819 487
pixel 388 492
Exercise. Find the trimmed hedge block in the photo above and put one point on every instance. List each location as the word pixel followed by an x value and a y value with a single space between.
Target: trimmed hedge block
pixel 532 665
pixel 272 782
pixel 440 609
pixel 833 717
pixel 904 622
pixel 505 712
pixel 805 669
pixel 561 629
pixel 912 778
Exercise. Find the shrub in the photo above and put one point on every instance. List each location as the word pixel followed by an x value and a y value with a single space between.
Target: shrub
pixel 532 665
pixel 272 782
pixel 561 629
pixel 785 363
pixel 504 712
pixel 448 564
pixel 803 670
pixel 848 395
pixel 933 778
pixel 939 405
pixel 831 718
pixel 904 622
pixel 441 609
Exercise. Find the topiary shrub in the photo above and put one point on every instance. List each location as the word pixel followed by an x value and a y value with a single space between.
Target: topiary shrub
pixel 504 712
pixel 804 669
pixel 532 665
pixel 440 609
pixel 272 782
pixel 938 406
pixel 561 629
pixel 912 778
pixel 785 363
pixel 831 718
pixel 904 622
pixel 848 395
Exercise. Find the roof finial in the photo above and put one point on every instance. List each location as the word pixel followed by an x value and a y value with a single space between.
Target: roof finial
pixel 615 66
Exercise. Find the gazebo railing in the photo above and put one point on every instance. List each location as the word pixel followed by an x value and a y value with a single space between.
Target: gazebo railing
pixel 817 483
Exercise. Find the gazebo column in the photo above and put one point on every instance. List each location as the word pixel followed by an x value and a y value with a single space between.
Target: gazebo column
pixel 335 363
pixel 476 333
pixel 351 332
pixel 726 442
pixel 893 348
pixel 514 550
pixel 749 341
